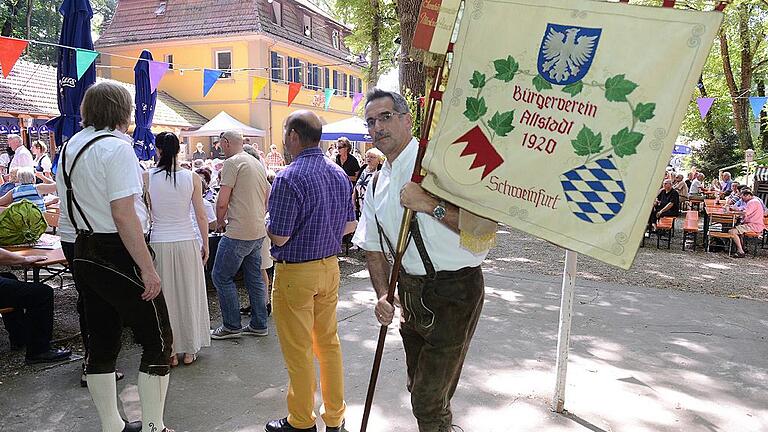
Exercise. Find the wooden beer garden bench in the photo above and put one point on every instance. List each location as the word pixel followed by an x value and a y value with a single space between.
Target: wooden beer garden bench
pixel 665 228
pixel 691 227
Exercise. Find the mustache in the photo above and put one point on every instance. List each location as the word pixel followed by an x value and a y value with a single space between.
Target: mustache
pixel 380 135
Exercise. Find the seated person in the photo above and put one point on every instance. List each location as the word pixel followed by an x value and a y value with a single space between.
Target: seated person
pixel 10 183
pixel 697 187
pixel 27 189
pixel 752 221
pixel 735 195
pixel 682 189
pixel 31 322
pixel 740 204
pixel 667 204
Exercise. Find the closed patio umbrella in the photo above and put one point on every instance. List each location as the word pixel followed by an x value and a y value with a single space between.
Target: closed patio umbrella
pixel 143 139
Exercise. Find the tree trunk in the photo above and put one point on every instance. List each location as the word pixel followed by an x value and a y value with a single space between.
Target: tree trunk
pixel 763 117
pixel 738 103
pixel 29 21
pixel 412 74
pixel 745 136
pixel 373 73
pixel 708 118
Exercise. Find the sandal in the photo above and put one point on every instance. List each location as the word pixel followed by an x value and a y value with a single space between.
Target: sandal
pixel 190 357
pixel 738 255
pixel 174 361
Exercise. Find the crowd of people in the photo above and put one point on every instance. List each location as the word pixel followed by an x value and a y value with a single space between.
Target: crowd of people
pixel 138 240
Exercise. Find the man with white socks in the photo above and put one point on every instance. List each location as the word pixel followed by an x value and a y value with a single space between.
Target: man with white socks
pixel 112 262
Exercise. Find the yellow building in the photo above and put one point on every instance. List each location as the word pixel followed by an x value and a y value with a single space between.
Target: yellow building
pixel 283 40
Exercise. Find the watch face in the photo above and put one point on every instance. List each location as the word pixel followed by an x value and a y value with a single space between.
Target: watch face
pixel 438 212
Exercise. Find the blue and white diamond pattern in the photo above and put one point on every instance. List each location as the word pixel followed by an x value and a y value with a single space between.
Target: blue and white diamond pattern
pixel 595 191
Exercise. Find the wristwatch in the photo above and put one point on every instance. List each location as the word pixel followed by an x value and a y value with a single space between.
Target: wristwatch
pixel 439 211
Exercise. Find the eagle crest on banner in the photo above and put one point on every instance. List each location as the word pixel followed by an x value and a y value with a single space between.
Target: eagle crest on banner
pixel 566 53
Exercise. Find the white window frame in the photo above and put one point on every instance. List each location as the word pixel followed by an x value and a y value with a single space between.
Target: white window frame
pixel 277 9
pixel 168 58
pixel 283 74
pixel 335 41
pixel 307 26
pixel 225 75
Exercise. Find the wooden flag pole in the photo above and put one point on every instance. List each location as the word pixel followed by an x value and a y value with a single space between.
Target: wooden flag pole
pixel 402 240
pixel 564 331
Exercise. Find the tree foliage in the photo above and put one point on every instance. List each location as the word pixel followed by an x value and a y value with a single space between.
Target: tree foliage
pixel 718 154
pixel 45 23
pixel 375 27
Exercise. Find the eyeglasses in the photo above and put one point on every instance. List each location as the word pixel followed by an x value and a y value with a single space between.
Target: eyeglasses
pixel 384 117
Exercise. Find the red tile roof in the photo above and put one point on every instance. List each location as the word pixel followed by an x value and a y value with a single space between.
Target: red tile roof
pixel 31 89
pixel 136 21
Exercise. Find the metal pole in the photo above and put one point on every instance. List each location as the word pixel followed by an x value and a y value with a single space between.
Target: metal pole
pixel 564 331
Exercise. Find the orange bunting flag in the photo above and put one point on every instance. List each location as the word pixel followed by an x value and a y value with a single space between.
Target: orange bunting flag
pixel 293 91
pixel 10 51
pixel 258 85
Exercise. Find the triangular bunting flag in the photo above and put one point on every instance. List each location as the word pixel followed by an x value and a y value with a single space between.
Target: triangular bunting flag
pixel 258 85
pixel 705 104
pixel 10 51
pixel 293 91
pixel 356 100
pixel 210 76
pixel 757 102
pixel 156 73
pixel 328 95
pixel 84 59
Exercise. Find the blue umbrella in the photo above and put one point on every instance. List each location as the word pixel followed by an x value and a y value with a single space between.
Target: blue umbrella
pixel 75 32
pixel 143 140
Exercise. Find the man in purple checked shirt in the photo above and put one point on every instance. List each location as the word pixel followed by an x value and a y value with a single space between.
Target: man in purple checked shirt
pixel 310 210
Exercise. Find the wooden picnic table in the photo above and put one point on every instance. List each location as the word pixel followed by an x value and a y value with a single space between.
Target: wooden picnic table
pixel 53 257
pixel 721 209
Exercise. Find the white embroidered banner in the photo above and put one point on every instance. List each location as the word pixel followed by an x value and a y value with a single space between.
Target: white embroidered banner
pixel 559 116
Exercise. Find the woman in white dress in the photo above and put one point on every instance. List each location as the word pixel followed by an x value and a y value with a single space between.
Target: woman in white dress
pixel 180 258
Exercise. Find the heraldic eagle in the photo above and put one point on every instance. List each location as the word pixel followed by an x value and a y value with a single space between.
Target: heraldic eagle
pixel 565 54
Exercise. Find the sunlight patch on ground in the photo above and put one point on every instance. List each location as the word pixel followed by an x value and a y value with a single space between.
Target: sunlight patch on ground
pixel 590 276
pixel 510 296
pixel 518 259
pixel 660 274
pixel 717 266
pixel 502 232
pixel 362 274
pixel 698 349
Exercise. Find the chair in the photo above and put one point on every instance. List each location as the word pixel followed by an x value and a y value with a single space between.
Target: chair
pixel 665 229
pixel 726 222
pixel 764 241
pixel 691 227
pixel 52 218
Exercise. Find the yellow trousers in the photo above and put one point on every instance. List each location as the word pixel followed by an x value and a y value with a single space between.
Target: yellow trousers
pixel 304 300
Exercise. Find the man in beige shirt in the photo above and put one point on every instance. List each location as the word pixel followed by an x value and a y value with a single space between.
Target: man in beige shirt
pixel 240 213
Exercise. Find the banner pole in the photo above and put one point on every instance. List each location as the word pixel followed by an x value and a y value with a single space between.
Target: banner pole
pixel 564 331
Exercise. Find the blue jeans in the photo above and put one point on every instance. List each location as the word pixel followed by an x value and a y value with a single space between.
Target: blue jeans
pixel 230 256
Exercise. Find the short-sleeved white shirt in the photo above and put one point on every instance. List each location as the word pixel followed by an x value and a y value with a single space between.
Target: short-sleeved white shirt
pixel 106 172
pixel 22 158
pixel 441 243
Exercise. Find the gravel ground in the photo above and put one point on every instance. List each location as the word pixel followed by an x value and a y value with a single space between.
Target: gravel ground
pixel 699 272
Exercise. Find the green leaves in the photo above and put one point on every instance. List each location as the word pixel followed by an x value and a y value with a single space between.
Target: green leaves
pixel 478 80
pixel 644 111
pixel 574 89
pixel 505 69
pixel 501 123
pixel 617 88
pixel 540 83
pixel 476 108
pixel 587 143
pixel 625 142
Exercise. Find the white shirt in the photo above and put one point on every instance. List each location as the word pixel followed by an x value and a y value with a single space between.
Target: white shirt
pixel 45 163
pixel 441 243
pixel 695 187
pixel 210 215
pixel 170 206
pixel 107 171
pixel 22 158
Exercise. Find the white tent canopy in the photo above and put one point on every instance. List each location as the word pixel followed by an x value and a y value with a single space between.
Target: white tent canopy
pixel 221 123
pixel 353 128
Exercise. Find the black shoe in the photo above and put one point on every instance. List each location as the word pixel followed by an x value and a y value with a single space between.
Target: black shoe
pixel 132 426
pixel 50 356
pixel 282 425
pixel 337 428
pixel 246 311
pixel 269 309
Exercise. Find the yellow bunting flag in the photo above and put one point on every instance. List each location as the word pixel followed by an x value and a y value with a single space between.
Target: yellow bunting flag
pixel 258 85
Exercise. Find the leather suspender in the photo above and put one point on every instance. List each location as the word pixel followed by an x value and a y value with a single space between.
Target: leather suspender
pixel 71 201
pixel 414 234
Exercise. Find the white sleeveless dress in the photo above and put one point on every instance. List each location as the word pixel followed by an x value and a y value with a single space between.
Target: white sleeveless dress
pixel 178 260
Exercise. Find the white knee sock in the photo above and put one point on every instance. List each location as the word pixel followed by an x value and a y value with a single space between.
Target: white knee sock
pixel 152 391
pixel 104 394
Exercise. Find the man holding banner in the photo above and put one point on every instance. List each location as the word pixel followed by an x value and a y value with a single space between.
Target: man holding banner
pixel 441 289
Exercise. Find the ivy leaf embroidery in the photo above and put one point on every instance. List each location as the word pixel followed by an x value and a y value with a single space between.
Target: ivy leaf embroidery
pixel 476 108
pixel 540 83
pixel 587 143
pixel 505 69
pixel 478 80
pixel 501 123
pixel 617 88
pixel 644 111
pixel 625 142
pixel 574 89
